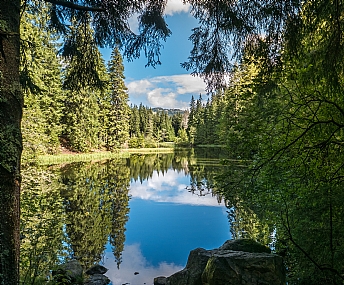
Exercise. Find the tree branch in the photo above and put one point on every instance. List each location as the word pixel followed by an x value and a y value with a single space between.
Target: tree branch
pixel 75 6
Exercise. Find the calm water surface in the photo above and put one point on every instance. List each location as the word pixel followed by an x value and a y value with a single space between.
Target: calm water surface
pixel 139 216
pixel 166 221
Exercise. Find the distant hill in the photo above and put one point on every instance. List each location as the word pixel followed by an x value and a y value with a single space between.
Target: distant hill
pixel 170 112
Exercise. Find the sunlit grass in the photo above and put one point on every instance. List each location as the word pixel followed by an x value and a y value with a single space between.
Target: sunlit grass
pixel 76 157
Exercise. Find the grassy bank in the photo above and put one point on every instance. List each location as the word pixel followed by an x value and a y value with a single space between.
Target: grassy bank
pixel 76 157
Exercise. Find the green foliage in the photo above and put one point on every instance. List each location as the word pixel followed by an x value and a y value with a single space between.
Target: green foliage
pixel 137 142
pixel 42 220
pixel 204 120
pixel 41 80
pixel 82 110
pixel 117 127
pixel 287 127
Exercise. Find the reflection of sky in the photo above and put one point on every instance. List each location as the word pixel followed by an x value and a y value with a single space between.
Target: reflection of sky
pixel 169 187
pixel 165 223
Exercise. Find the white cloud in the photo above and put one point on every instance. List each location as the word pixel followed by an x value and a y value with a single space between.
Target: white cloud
pixel 160 98
pixel 167 91
pixel 134 261
pixel 134 23
pixel 172 7
pixel 185 83
pixel 139 86
pixel 176 6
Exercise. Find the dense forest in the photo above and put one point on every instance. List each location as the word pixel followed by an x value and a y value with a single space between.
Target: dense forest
pixel 285 127
pixel 274 69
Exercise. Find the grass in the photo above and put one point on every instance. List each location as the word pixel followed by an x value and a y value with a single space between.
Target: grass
pixel 76 157
pixel 165 147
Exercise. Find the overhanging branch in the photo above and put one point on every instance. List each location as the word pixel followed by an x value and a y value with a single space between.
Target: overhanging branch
pixel 75 6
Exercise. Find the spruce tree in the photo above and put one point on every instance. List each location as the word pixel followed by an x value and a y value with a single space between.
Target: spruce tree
pixel 118 113
pixel 191 129
pixel 82 104
pixel 41 79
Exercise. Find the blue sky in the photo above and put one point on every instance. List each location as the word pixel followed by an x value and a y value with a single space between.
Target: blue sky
pixel 167 85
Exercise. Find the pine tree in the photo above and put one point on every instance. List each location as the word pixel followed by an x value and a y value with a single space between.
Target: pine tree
pixel 199 122
pixel 82 104
pixel 118 113
pixel 134 121
pixel 191 129
pixel 41 79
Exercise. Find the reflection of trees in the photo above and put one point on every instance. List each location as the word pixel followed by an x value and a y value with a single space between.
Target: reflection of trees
pixel 96 203
pixel 142 166
pixel 244 223
pixel 88 222
pixel 74 210
pixel 303 209
pixel 201 164
pixel 41 224
pixel 117 183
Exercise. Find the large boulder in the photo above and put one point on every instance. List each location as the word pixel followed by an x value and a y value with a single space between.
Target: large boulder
pixel 161 280
pixel 228 267
pixel 68 272
pixel 97 279
pixel 246 245
pixel 96 269
pixel 235 262
pixel 192 273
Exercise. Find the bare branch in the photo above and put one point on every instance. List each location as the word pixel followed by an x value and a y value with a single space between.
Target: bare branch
pixel 70 5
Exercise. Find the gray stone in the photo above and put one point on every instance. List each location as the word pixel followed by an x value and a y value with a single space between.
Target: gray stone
pixel 247 245
pixel 161 280
pixel 97 279
pixel 71 271
pixel 192 273
pixel 249 264
pixel 228 267
pixel 96 269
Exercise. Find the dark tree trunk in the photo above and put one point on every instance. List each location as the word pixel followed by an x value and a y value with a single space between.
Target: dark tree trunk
pixel 11 103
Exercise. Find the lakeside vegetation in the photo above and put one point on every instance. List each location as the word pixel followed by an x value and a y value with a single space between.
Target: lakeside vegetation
pixel 282 130
pixel 276 73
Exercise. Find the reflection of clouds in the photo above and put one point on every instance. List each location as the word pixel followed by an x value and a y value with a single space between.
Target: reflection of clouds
pixel 169 187
pixel 134 261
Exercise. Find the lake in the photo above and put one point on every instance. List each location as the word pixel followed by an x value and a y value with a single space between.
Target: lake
pixel 139 216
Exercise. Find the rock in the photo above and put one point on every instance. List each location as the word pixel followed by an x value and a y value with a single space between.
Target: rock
pixel 71 271
pixel 229 267
pixel 161 280
pixel 247 245
pixel 97 279
pixel 196 263
pixel 96 269
pixel 235 262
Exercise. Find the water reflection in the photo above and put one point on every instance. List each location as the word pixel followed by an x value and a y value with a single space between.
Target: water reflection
pixel 170 187
pixel 134 261
pixel 85 211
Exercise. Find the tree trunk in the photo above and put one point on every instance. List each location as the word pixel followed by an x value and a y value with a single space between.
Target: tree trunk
pixel 11 104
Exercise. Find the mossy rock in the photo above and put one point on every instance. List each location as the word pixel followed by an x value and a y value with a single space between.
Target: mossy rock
pixel 246 245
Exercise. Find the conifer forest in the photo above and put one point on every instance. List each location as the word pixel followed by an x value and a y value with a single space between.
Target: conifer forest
pixel 274 71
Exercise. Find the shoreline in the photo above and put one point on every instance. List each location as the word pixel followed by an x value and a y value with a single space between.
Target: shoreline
pixel 97 155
